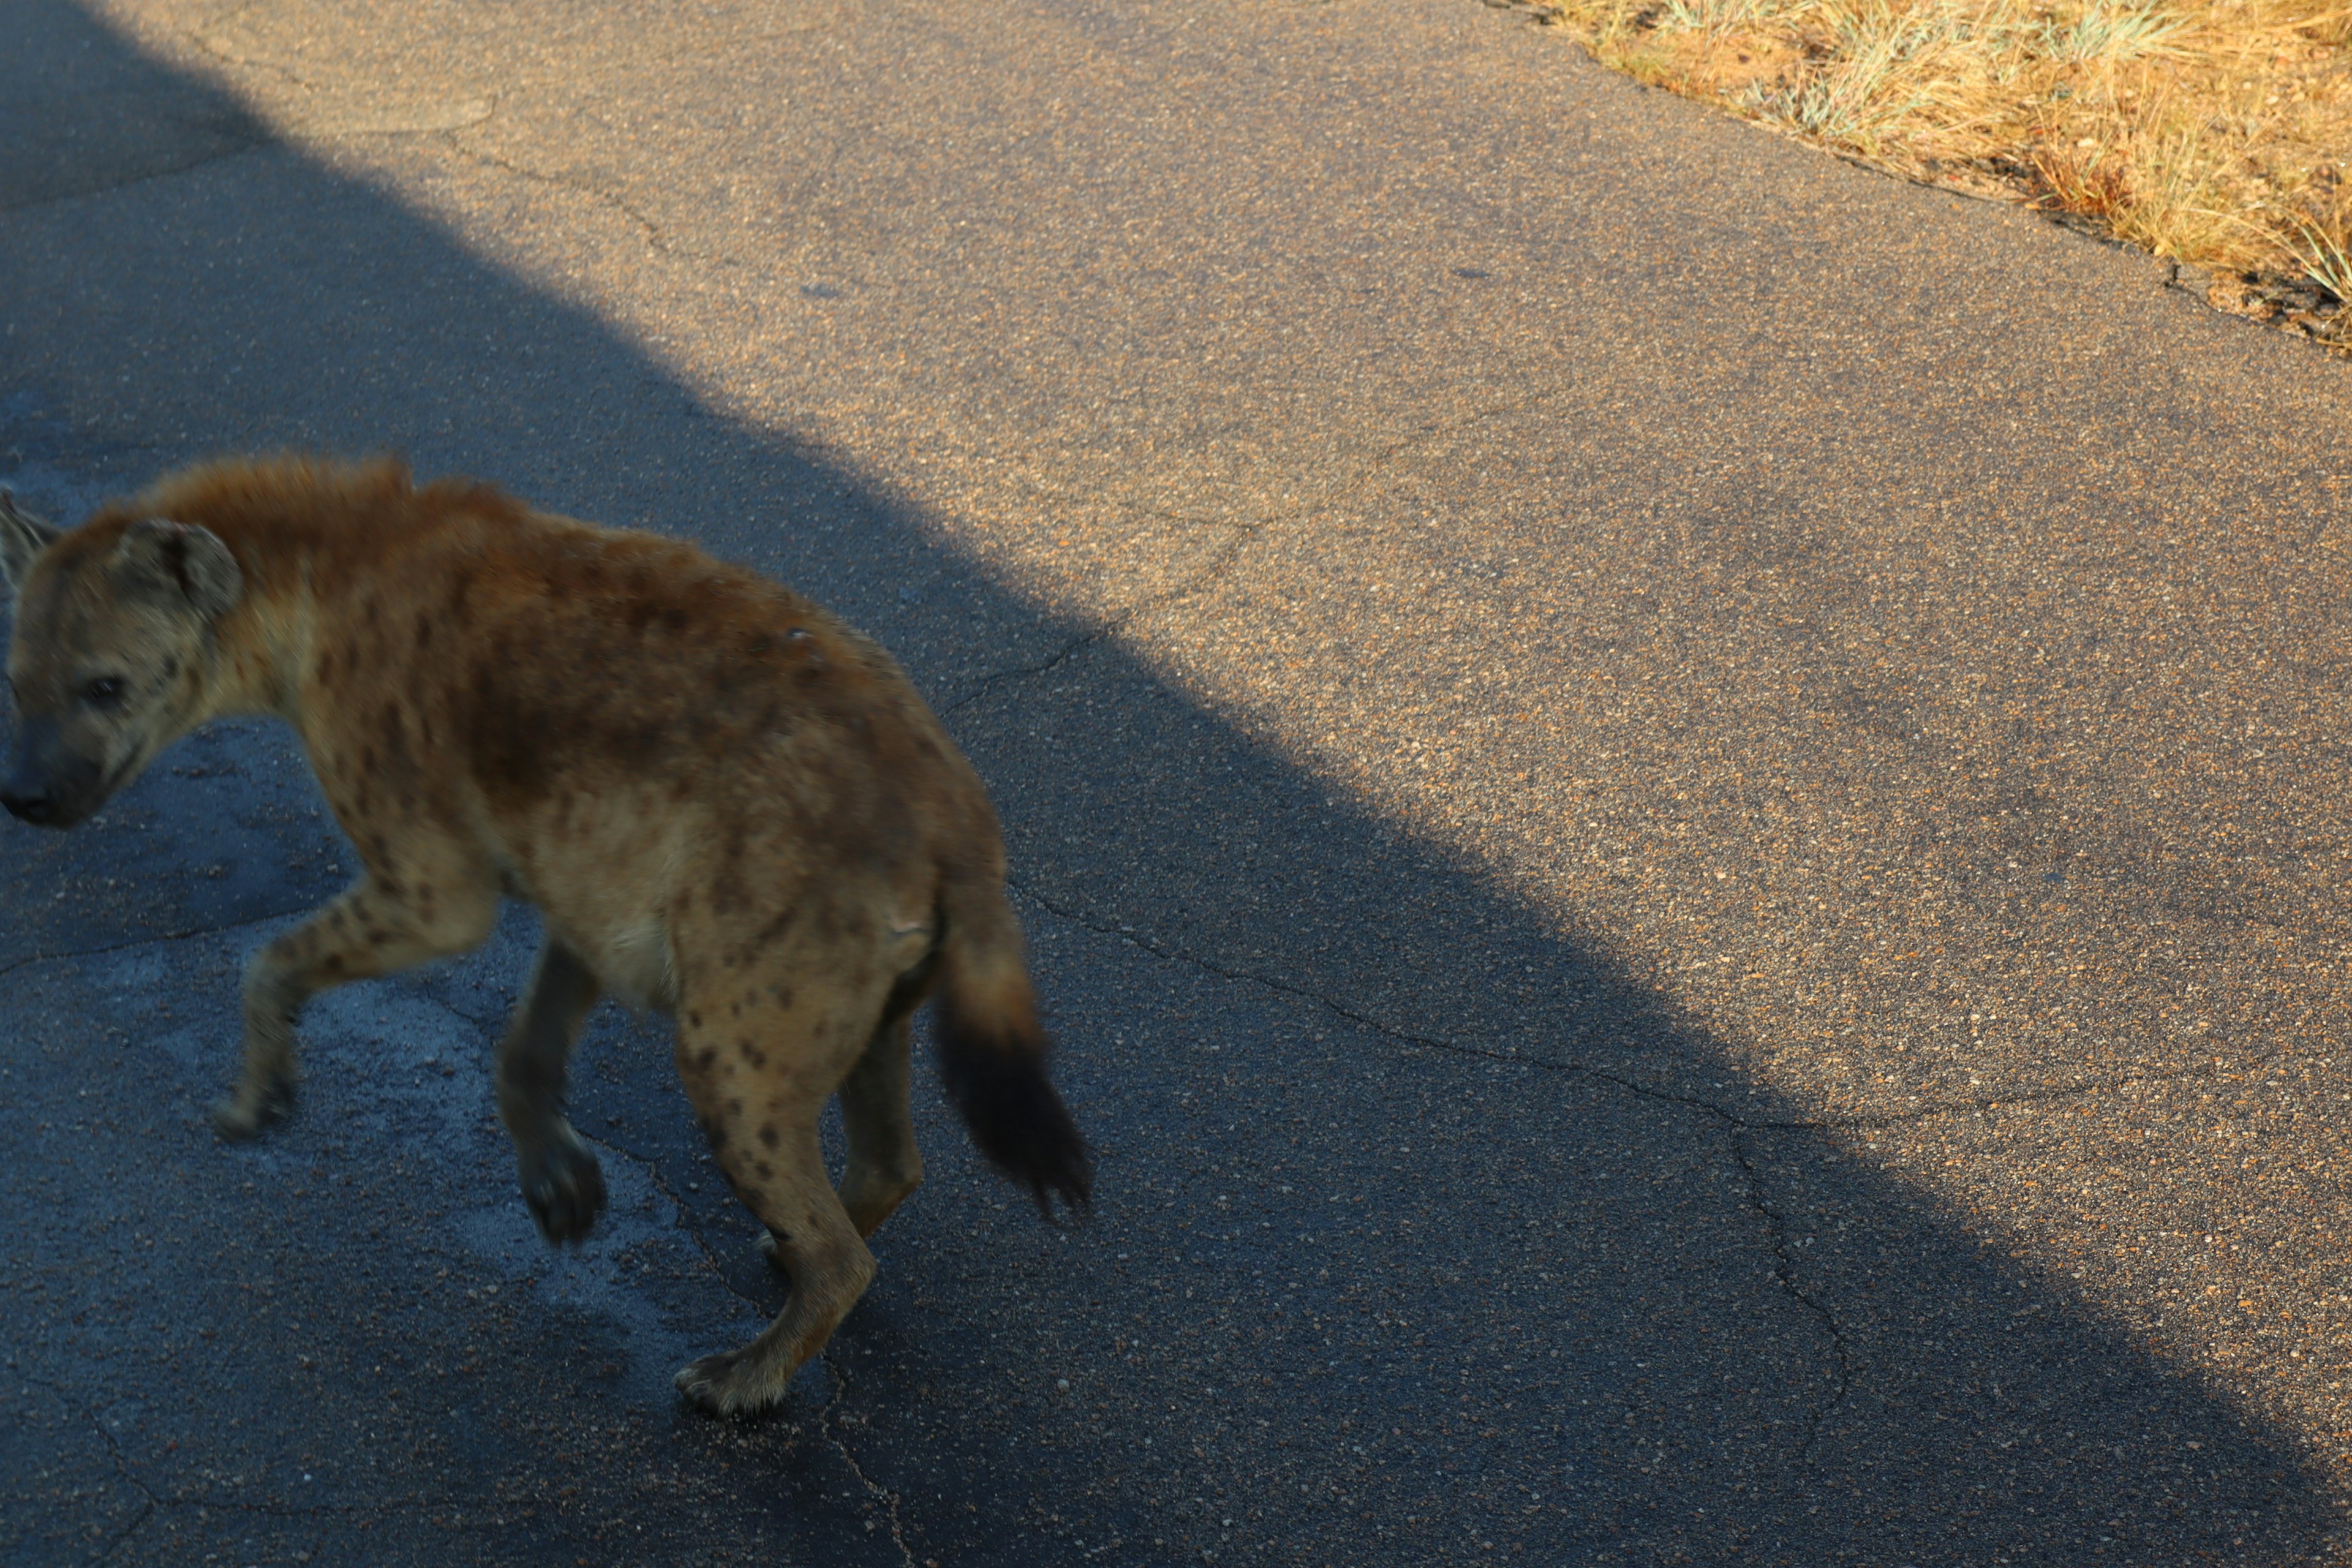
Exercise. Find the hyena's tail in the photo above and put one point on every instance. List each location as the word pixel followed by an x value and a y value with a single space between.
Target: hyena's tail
pixel 992 1051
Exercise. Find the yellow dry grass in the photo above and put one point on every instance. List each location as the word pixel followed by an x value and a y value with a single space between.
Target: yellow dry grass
pixel 2214 132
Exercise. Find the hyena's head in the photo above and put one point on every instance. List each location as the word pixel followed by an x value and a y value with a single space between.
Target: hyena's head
pixel 113 650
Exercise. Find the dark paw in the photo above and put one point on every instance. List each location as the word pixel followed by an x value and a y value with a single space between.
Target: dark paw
pixel 246 1112
pixel 565 1189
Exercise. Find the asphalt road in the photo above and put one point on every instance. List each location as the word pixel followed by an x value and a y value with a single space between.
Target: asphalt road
pixel 1680 808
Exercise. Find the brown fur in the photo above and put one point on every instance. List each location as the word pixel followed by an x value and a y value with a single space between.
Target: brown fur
pixel 727 804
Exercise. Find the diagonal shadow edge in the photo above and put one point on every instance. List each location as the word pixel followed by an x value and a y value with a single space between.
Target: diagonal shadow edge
pixel 864 537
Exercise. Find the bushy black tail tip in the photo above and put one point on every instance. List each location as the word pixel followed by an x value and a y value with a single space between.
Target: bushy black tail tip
pixel 1021 1125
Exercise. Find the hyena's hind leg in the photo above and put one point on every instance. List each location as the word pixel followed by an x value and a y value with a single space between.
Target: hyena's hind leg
pixel 757 1084
pixel 878 1120
pixel 375 928
pixel 561 1179
pixel 884 1165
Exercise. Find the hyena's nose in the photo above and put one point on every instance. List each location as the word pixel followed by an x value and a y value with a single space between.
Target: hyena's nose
pixel 31 805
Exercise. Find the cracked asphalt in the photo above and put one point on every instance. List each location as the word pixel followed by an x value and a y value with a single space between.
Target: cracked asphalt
pixel 1680 808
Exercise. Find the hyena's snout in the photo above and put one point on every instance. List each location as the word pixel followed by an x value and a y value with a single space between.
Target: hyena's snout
pixel 49 782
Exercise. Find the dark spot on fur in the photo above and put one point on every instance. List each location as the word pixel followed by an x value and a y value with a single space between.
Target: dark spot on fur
pixel 764 1168
pixel 424 631
pixel 734 1107
pixel 768 1134
pixel 694 1019
pixel 508 736
pixel 777 924
pixel 707 1059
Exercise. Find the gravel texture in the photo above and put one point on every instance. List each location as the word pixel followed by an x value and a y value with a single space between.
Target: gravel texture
pixel 1680 808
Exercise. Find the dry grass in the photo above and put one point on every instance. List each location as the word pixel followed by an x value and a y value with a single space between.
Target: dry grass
pixel 2215 133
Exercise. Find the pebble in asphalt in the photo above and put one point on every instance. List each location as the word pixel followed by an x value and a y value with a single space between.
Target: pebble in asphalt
pixel 1676 801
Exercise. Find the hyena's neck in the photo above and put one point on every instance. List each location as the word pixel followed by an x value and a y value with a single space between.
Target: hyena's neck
pixel 267 647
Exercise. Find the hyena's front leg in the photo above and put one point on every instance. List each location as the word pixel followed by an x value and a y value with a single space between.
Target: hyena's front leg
pixel 561 1179
pixel 371 930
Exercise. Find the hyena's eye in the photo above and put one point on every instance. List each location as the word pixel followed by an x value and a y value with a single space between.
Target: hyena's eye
pixel 105 692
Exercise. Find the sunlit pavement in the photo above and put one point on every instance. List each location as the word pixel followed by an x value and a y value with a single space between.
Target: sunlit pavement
pixel 1679 806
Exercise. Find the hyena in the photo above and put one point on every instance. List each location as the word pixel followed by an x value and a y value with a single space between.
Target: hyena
pixel 727 805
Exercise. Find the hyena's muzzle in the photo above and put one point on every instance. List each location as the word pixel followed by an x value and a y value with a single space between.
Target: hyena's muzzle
pixel 49 782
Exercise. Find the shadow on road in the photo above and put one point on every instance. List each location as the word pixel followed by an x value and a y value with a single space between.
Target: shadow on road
pixel 1362 1288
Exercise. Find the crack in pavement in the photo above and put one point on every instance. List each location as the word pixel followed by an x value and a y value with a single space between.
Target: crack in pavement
pixel 190 934
pixel 115 1543
pixel 827 1421
pixel 204 45
pixel 1633 1086
pixel 1245 533
pixel 1784 1274
pixel 829 1424
pixel 148 177
pixel 1740 1130
pixel 595 190
pixel 1736 1130
pixel 152 1500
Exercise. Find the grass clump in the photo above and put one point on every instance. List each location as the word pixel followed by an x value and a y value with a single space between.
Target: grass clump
pixel 2214 132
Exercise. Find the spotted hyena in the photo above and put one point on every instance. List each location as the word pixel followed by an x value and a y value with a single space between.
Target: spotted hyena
pixel 727 805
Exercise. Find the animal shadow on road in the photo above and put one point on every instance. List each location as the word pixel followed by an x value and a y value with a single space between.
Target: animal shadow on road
pixel 1362 1286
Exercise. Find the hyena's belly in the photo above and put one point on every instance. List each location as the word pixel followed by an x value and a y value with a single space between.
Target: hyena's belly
pixel 633 964
pixel 601 875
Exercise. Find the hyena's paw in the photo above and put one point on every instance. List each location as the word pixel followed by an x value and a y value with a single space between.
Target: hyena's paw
pixel 734 1383
pixel 565 1187
pixel 252 1108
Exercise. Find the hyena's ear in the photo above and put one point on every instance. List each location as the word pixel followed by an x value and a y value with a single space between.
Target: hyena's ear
pixel 179 561
pixel 22 537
